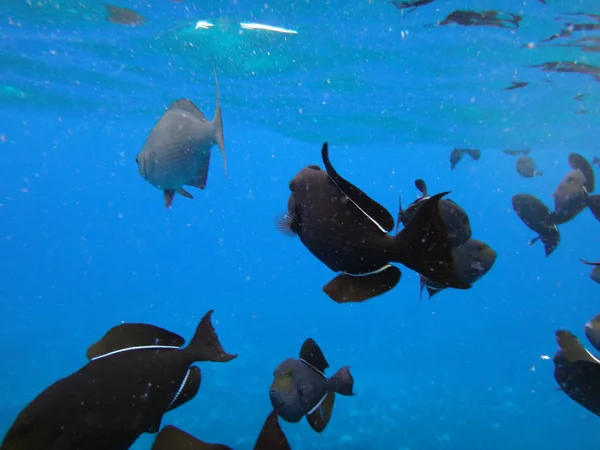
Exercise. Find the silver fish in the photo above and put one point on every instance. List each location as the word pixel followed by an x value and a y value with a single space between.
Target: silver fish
pixel 177 151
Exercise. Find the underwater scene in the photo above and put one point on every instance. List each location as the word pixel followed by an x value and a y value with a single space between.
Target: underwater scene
pixel 237 224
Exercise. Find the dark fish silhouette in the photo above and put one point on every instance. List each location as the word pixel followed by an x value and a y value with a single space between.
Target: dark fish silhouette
pixel 534 214
pixel 457 154
pixel 516 85
pixel 525 151
pixel 456 220
pixel 526 167
pixel 492 18
pixel 592 331
pixel 348 232
pixel 596 161
pixel 271 437
pixel 123 16
pixel 472 261
pixel 572 67
pixel 136 373
pixel 177 151
pixel 300 387
pixel 573 28
pixel 595 275
pixel 411 5
pixel 577 372
pixel 579 97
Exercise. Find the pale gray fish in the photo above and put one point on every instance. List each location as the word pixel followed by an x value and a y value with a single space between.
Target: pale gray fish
pixel 177 151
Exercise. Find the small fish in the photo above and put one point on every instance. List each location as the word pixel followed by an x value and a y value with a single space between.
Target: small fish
pixel 348 232
pixel 123 16
pixel 579 97
pixel 472 261
pixel 516 85
pixel 177 151
pixel 525 151
pixel 492 18
pixel 595 275
pixel 577 371
pixel 300 387
pixel 271 437
pixel 457 154
pixel 526 167
pixel 411 5
pixel 136 373
pixel 592 330
pixel 456 220
pixel 534 214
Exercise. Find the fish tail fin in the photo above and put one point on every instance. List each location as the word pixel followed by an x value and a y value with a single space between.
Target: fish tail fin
pixel 218 122
pixel 423 245
pixel 205 345
pixel 342 382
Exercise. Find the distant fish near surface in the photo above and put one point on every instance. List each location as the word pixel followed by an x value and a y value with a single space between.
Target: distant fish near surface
pixel 411 5
pixel 534 214
pixel 301 389
pixel 516 85
pixel 271 437
pixel 123 16
pixel 177 151
pixel 526 167
pixel 456 220
pixel 595 275
pixel 348 232
pixel 577 371
pixel 457 154
pixel 136 373
pixel 492 18
pixel 472 261
pixel 573 193
pixel 524 151
pixel 596 161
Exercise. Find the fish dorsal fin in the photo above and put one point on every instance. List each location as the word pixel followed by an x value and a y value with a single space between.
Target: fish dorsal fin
pixel 312 355
pixel 131 336
pixel 271 435
pixel 572 348
pixel 186 105
pixel 421 186
pixel 172 438
pixel 369 207
pixel 188 389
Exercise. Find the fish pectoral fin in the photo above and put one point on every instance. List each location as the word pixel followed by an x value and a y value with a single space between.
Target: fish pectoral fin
pixel 311 354
pixel 184 193
pixel 168 196
pixel 271 435
pixel 186 105
pixel 352 288
pixel 572 349
pixel 134 335
pixel 171 437
pixel 202 176
pixel 285 224
pixel 319 417
pixel 188 389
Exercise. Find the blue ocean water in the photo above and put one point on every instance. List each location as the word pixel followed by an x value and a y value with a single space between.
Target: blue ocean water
pixel 87 244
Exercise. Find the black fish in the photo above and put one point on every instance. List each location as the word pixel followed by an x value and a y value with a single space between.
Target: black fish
pixel 472 261
pixel 457 154
pixel 136 373
pixel 123 16
pixel 516 85
pixel 456 220
pixel 526 167
pixel 492 18
pixel 411 5
pixel 595 275
pixel 535 214
pixel 577 372
pixel 517 152
pixel 271 437
pixel 348 232
pixel 300 387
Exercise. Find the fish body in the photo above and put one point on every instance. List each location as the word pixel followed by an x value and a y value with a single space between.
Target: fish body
pixel 348 232
pixel 526 167
pixel 177 151
pixel 535 215
pixel 301 389
pixel 570 198
pixel 515 152
pixel 123 16
pixel 136 373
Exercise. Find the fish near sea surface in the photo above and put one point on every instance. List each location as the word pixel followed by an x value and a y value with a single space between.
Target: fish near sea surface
pixel 534 214
pixel 136 373
pixel 177 151
pixel 526 167
pixel 457 154
pixel 472 261
pixel 300 387
pixel 348 232
pixel 271 437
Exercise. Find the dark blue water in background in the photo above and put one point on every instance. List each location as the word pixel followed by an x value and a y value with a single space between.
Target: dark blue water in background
pixel 87 244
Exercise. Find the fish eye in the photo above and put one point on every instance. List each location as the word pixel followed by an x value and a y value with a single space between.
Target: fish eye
pixel 137 159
